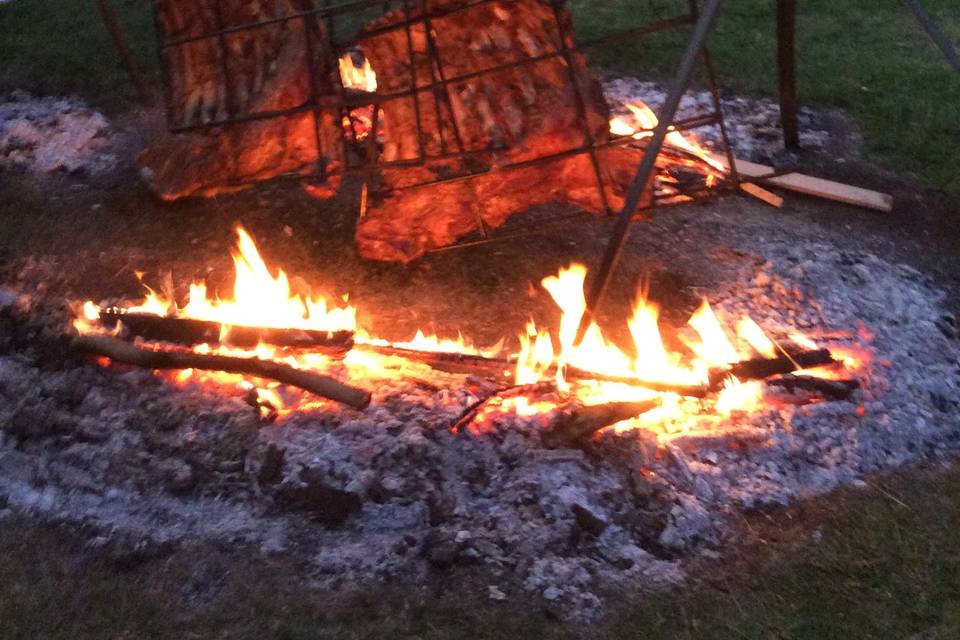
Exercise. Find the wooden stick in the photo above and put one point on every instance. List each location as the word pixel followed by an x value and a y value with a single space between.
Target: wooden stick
pixel 448 361
pixel 120 351
pixel 502 368
pixel 471 412
pixel 760 193
pixel 577 422
pixel 190 331
pixel 760 368
pixel 823 387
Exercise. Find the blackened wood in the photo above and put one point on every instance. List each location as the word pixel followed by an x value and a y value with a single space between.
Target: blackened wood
pixel 190 331
pixel 823 387
pixel 503 368
pixel 121 351
pixel 577 422
pixel 760 368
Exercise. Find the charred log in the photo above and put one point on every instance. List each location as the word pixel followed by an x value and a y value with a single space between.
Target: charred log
pixel 191 332
pixel 120 351
pixel 761 368
pixel 820 387
pixel 575 423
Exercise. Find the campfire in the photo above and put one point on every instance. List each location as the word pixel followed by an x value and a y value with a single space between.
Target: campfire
pixel 288 352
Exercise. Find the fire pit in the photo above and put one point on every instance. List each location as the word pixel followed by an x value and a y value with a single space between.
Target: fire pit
pixel 565 474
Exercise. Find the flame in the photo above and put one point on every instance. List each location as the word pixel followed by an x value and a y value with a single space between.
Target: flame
pixel 359 122
pixel 645 121
pixel 353 77
pixel 650 362
pixel 264 297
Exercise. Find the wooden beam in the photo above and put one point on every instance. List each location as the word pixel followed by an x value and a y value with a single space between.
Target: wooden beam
pixel 818 187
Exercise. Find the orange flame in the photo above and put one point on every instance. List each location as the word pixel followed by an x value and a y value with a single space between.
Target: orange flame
pixel 264 297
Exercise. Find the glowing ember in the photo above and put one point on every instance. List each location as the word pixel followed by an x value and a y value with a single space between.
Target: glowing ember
pixel 264 298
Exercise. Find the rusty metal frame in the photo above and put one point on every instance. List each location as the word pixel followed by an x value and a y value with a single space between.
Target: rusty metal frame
pixel 318 28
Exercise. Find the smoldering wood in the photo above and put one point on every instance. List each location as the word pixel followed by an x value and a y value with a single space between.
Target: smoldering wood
pixel 191 332
pixel 503 368
pixel 821 387
pixel 760 368
pixel 124 352
pixel 575 423
pixel 468 415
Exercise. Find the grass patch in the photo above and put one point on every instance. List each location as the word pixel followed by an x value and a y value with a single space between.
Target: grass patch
pixel 869 58
pixel 877 562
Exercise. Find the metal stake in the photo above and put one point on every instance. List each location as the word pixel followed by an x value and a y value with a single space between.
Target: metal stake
pixel 644 174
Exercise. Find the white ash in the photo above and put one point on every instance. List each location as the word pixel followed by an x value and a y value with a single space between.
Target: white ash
pixel 753 124
pixel 46 135
pixel 391 494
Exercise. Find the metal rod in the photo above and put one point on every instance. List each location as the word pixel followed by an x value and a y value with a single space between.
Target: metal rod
pixel 582 116
pixel 644 174
pixel 933 30
pixel 112 24
pixel 787 66
pixel 421 151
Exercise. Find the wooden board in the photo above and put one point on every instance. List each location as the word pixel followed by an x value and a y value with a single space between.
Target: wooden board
pixel 818 187
pixel 760 193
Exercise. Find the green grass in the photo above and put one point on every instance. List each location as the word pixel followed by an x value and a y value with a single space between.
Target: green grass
pixel 868 57
pixel 877 562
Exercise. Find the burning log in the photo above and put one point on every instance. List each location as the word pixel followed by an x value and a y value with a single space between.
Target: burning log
pixel 577 422
pixel 822 387
pixel 502 368
pixel 448 361
pixel 761 368
pixel 470 413
pixel 321 385
pixel 191 332
pixel 687 390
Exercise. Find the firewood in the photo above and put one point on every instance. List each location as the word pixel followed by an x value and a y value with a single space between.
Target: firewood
pixel 191 332
pixel 502 368
pixel 448 361
pixel 687 390
pixel 577 422
pixel 823 387
pixel 471 412
pixel 760 368
pixel 121 351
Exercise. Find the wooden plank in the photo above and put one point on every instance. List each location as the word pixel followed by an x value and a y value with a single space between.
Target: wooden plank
pixel 818 187
pixel 760 193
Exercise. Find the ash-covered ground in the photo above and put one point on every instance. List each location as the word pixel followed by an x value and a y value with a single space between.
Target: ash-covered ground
pixel 390 494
